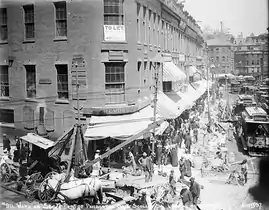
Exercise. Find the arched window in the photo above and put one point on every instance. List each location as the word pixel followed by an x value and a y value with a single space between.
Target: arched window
pixel 49 120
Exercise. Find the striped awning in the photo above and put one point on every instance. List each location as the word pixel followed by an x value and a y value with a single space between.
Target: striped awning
pixel 172 73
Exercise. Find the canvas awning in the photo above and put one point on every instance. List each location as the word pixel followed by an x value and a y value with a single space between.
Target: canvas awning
pixel 37 140
pixel 172 73
pixel 201 88
pixel 120 130
pixel 187 98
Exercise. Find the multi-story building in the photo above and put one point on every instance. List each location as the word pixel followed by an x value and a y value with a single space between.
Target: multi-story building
pixel 111 44
pixel 251 56
pixel 221 55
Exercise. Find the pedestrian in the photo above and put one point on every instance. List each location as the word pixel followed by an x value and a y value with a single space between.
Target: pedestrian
pixel 244 170
pixel 186 196
pixel 132 161
pixel 188 142
pixel 6 143
pixel 172 182
pixel 195 134
pixel 150 166
pixel 188 167
pixel 182 168
pixel 195 190
pixel 143 162
pixel 96 168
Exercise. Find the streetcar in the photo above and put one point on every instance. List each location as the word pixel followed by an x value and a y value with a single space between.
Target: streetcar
pixel 235 86
pixel 255 131
pixel 242 102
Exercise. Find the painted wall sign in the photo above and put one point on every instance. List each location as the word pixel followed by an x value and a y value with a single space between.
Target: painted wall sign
pixel 114 33
pixel 45 81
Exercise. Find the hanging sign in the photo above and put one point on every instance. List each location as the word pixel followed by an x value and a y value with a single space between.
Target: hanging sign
pixel 114 33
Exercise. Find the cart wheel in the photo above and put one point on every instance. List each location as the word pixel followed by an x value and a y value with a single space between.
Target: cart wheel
pixel 45 192
pixel 5 172
pixel 50 174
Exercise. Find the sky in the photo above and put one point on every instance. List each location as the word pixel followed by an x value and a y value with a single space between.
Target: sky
pixel 246 16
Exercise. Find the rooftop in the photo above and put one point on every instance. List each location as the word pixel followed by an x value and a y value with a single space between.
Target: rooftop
pixel 218 42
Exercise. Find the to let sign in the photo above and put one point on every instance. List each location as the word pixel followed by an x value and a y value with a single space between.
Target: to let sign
pixel 114 33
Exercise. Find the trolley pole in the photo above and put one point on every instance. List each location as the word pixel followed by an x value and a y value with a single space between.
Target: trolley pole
pixel 77 92
pixel 208 100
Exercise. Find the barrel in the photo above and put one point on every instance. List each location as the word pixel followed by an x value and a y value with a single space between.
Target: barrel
pixel 197 162
pixel 174 157
pixel 231 157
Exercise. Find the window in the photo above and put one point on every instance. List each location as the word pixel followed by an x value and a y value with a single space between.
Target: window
pixel 154 29
pixel 247 62
pixel 159 31
pixel 138 65
pixel 145 65
pixel 6 115
pixel 149 31
pixel 252 63
pixel 167 86
pixel 138 22
pixel 3 19
pixel 113 12
pixel 144 24
pixel 29 21
pixel 4 81
pixel 223 58
pixel 115 83
pixel 30 81
pixel 217 50
pixel 217 58
pixel 61 19
pixel 258 62
pixel 62 81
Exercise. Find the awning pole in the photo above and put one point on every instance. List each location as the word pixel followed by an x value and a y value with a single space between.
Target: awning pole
pixel 155 104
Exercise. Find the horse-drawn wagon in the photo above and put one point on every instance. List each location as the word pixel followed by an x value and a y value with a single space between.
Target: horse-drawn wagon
pixel 26 174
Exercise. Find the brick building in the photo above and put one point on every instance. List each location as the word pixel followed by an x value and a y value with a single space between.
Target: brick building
pixel 113 44
pixel 251 56
pixel 220 53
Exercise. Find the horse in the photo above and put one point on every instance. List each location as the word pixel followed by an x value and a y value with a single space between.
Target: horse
pixel 76 188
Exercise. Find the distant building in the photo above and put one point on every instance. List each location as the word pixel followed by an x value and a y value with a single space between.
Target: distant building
pixel 251 56
pixel 221 55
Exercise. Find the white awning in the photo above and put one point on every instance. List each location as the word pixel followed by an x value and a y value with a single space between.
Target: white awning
pixel 202 86
pixel 120 130
pixel 37 140
pixel 187 98
pixel 172 73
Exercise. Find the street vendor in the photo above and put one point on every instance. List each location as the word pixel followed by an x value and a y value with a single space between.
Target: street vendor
pixel 188 142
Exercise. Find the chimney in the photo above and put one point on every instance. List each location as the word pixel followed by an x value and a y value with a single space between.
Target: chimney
pixel 41 130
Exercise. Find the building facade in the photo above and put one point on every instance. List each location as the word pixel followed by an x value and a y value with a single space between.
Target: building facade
pixel 221 55
pixel 108 47
pixel 251 56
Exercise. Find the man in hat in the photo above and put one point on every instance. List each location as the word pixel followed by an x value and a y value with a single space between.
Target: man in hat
pixel 97 166
pixel 6 143
pixel 244 170
pixel 182 167
pixel 195 190
pixel 143 162
pixel 186 196
pixel 188 142
pixel 150 165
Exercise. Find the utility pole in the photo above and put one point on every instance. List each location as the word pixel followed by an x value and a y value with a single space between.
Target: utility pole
pixel 155 103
